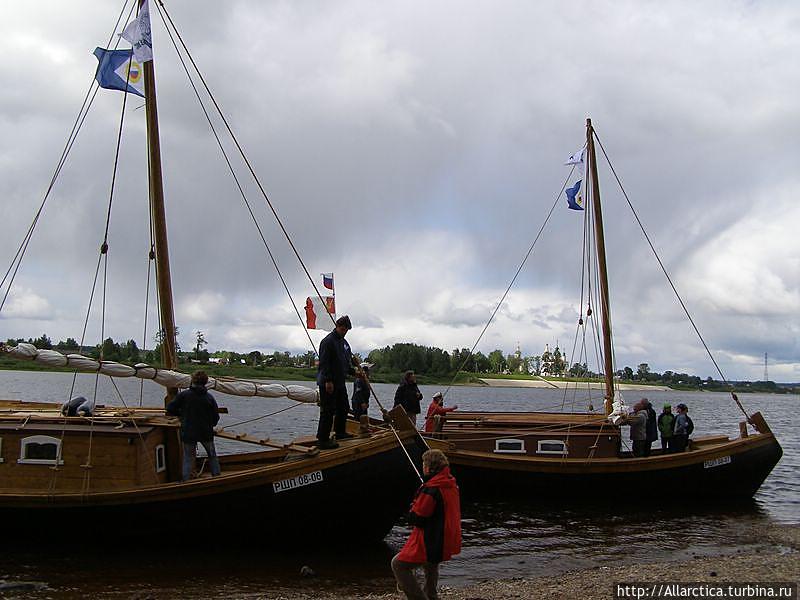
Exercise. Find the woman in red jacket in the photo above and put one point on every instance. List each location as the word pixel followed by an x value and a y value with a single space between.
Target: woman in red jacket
pixel 436 409
pixel 436 537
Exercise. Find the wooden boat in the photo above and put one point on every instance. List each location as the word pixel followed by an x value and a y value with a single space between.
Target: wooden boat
pixel 580 455
pixel 120 467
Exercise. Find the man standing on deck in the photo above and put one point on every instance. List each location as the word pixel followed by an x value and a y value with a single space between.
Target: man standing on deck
pixel 199 414
pixel 436 537
pixel 335 363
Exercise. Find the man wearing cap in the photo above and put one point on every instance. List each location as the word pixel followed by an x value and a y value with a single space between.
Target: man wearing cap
pixel 434 418
pixel 666 425
pixel 335 363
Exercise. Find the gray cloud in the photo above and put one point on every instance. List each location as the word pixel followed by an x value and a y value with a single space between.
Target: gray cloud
pixel 420 171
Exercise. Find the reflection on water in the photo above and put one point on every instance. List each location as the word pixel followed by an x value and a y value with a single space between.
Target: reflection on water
pixel 501 539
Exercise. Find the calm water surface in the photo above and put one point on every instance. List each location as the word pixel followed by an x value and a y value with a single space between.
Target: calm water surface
pixel 501 539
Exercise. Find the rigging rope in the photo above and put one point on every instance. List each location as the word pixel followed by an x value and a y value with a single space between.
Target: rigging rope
pixel 511 284
pixel 666 274
pixel 233 174
pixel 160 6
pixel 71 138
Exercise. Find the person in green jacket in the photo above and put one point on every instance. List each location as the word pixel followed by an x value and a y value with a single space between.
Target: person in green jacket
pixel 666 427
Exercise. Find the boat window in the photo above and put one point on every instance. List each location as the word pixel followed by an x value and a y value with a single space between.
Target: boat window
pixel 40 450
pixel 552 447
pixel 509 446
pixel 161 461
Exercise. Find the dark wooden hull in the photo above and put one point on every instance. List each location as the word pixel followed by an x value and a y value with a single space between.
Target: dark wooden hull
pixel 732 470
pixel 370 488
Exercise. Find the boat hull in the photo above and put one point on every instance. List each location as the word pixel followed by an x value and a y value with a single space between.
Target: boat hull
pixel 729 471
pixel 369 490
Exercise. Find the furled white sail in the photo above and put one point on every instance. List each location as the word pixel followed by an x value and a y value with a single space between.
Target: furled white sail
pixel 620 410
pixel 165 377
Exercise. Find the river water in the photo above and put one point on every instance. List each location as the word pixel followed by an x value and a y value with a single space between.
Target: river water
pixel 501 539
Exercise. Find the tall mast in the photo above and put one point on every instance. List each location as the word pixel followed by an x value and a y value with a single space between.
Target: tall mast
pixel 169 355
pixel 603 272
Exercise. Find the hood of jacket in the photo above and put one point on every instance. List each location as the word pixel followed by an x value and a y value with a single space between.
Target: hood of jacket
pixel 443 480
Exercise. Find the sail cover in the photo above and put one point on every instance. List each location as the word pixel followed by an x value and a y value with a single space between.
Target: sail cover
pixel 164 377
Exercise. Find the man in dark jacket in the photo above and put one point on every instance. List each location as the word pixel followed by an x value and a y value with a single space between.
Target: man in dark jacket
pixel 360 400
pixel 651 426
pixel 436 537
pixel 335 363
pixel 199 414
pixel 408 396
pixel 666 425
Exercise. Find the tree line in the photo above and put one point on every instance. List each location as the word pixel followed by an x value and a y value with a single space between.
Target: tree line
pixel 389 360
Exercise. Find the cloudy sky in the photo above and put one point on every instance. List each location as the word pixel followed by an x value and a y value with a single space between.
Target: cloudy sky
pixel 414 149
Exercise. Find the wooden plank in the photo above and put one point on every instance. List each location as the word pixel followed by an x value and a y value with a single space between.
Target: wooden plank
pixel 249 439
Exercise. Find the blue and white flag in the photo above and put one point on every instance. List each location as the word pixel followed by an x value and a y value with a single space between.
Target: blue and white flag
pixel 576 158
pixel 118 70
pixel 574 200
pixel 138 34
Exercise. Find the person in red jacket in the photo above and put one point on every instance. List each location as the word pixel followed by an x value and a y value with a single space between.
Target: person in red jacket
pixel 436 537
pixel 436 409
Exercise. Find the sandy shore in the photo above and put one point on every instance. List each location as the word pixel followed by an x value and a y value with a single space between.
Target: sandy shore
pixel 775 558
pixel 538 383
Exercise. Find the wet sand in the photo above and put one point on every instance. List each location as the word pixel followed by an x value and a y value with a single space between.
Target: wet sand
pixel 775 557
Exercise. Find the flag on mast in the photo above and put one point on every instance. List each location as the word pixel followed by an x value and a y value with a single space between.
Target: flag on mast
pixel 574 200
pixel 327 280
pixel 576 158
pixel 119 70
pixel 316 311
pixel 138 34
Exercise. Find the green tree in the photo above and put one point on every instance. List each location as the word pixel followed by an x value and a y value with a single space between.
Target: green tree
pixel 131 351
pixel 43 342
pixel 497 361
pixel 643 370
pixel 69 344
pixel 559 364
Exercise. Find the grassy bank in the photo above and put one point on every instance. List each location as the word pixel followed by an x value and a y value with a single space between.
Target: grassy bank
pixel 251 372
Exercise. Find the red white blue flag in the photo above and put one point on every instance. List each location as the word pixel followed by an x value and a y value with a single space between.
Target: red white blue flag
pixel 327 280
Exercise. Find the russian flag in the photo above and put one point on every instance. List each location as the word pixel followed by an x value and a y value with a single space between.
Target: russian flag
pixel 327 280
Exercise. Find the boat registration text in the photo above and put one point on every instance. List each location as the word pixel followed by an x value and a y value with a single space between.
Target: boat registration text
pixel 299 481
pixel 722 460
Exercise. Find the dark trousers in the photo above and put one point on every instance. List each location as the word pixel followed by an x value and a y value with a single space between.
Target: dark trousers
pixel 639 447
pixel 679 442
pixel 332 412
pixel 407 580
pixel 666 445
pixel 647 446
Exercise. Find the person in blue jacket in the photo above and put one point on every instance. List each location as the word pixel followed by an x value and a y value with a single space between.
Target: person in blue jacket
pixel 199 414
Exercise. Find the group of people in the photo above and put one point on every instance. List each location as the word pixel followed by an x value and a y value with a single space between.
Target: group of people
pixel 435 511
pixel 646 428
pixel 409 397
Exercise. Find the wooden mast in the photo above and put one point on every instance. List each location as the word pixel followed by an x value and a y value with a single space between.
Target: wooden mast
pixel 169 355
pixel 602 270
